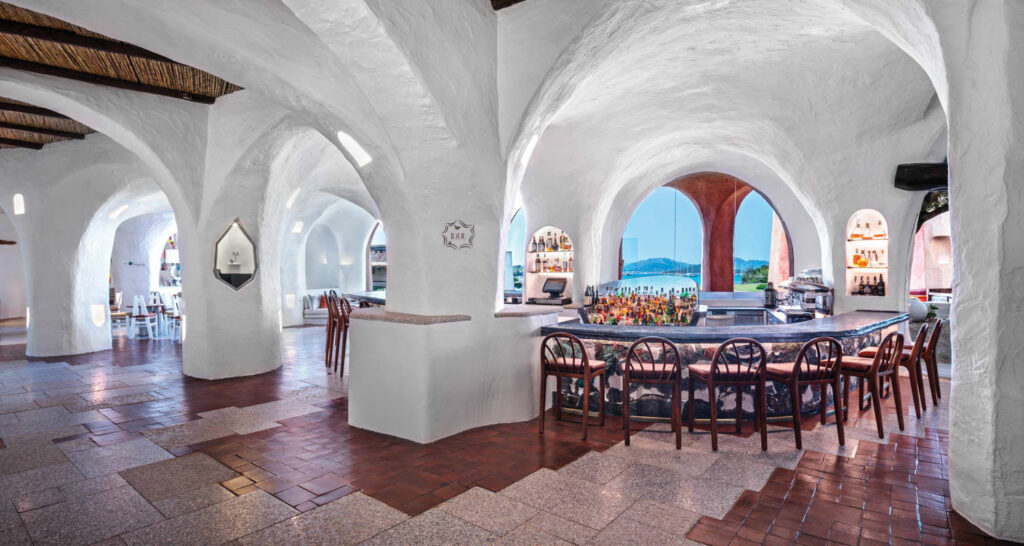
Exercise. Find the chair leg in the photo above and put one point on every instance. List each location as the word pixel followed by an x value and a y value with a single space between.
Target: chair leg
pixel 894 380
pixel 794 389
pixel 824 406
pixel 764 408
pixel 876 401
pixel 739 407
pixel 689 405
pixel 860 394
pixel 677 412
pixel 586 404
pixel 899 397
pixel 933 368
pixel 714 416
pixel 344 345
pixel 760 415
pixel 846 397
pixel 625 409
pixel 838 410
pixel 558 398
pixel 543 386
pixel 600 401
pixel 920 384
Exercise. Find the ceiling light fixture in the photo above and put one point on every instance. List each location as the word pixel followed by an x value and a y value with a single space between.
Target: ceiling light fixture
pixel 297 228
pixel 19 204
pixel 354 149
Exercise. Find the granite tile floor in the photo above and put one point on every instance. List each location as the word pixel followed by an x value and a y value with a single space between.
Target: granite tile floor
pixel 118 447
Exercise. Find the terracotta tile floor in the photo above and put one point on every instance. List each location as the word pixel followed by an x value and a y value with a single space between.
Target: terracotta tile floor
pixel 307 456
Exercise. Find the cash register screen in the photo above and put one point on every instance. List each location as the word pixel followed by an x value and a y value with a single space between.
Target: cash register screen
pixel 554 287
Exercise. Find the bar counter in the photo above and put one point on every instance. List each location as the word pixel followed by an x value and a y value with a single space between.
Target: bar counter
pixel 854 330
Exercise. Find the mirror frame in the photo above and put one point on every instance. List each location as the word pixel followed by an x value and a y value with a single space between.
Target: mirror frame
pixel 255 255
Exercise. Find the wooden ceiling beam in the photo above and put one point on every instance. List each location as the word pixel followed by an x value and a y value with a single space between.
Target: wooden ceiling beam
pixel 21 143
pixel 31 110
pixel 48 70
pixel 70 38
pixel 502 4
pixel 41 130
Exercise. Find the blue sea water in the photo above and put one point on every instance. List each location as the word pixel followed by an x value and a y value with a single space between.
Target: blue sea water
pixel 737 279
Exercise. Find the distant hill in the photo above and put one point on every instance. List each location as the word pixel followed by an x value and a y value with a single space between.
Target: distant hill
pixel 741 265
pixel 663 265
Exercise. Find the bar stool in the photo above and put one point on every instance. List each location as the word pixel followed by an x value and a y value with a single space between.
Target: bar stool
pixel 642 366
pixel 343 312
pixel 332 325
pixel 817 363
pixel 563 355
pixel 910 359
pixel 885 363
pixel 739 362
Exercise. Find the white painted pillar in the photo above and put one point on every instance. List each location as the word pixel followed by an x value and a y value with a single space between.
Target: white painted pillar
pixel 986 108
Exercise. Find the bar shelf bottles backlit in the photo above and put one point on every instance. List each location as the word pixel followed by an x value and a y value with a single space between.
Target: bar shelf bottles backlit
pixel 549 254
pixel 867 254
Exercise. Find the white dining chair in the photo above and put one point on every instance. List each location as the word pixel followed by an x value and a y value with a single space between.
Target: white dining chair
pixel 140 318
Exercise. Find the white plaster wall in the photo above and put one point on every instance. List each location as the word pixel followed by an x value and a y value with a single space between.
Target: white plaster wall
pixel 12 272
pixel 139 240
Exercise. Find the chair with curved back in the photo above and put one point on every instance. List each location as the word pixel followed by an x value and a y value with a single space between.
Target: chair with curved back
pixel 929 355
pixel 643 366
pixel 739 362
pixel 818 363
pixel 885 363
pixel 332 326
pixel 343 312
pixel 911 360
pixel 563 355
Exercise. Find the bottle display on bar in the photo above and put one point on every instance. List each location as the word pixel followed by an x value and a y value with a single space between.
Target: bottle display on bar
pixel 641 307
pixel 867 263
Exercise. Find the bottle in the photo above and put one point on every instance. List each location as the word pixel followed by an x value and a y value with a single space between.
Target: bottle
pixel 558 265
pixel 533 244
pixel 860 287
pixel 858 232
pixel 880 231
pixel 881 286
pixel 570 263
pixel 550 243
pixel 537 265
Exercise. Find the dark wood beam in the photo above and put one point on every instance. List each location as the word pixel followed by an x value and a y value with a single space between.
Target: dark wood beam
pixel 96 79
pixel 32 110
pixel 3 242
pixel 70 38
pixel 502 4
pixel 41 130
pixel 21 143
pixel 922 176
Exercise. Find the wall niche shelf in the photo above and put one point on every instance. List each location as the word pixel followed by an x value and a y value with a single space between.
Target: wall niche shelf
pixel 867 254
pixel 549 255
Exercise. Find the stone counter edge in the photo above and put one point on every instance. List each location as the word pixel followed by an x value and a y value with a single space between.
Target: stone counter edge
pixel 381 315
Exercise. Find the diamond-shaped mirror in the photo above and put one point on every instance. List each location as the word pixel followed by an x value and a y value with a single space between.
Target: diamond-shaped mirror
pixel 235 260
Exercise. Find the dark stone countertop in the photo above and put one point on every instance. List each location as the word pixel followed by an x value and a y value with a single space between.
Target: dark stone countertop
pixel 376 297
pixel 841 326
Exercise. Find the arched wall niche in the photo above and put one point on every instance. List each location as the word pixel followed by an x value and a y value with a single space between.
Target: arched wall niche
pixel 550 260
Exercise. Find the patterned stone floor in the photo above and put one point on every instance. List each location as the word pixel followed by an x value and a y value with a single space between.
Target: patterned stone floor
pixel 117 447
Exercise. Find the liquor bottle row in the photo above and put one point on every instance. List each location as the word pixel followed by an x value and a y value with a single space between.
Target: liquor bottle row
pixel 640 307
pixel 868 258
pixel 864 285
pixel 552 265
pixel 868 233
pixel 551 242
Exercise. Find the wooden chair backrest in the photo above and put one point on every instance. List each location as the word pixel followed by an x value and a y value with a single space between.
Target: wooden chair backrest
pixel 562 352
pixel 643 358
pixel 889 353
pixel 739 355
pixel 819 359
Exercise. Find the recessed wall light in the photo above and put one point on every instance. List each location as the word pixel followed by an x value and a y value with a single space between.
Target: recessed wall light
pixel 99 314
pixel 291 198
pixel 297 228
pixel 354 149
pixel 19 204
pixel 289 300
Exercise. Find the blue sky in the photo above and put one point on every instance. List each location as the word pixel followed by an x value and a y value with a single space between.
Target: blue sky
pixel 652 223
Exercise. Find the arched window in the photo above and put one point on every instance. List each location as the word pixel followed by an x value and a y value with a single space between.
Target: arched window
pixel 664 237
pixel 515 253
pixel 752 243
pixel 378 258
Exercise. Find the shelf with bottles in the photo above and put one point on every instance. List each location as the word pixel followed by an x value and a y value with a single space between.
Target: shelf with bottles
pixel 868 284
pixel 616 303
pixel 550 252
pixel 867 254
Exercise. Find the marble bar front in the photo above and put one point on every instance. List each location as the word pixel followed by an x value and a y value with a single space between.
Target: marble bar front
pixel 854 330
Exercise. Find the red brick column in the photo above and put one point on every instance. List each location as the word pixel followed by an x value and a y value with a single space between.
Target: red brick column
pixel 717 197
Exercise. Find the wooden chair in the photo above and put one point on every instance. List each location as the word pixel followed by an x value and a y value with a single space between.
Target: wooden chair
pixel 643 366
pixel 332 326
pixel 141 318
pixel 818 363
pixel 343 312
pixel 563 355
pixel 910 360
pixel 739 362
pixel 929 355
pixel 870 370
